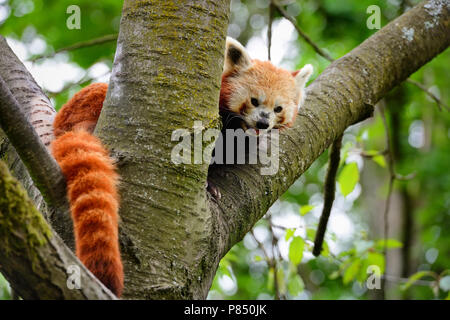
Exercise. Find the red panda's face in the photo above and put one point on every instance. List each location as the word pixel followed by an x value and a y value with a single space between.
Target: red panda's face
pixel 262 95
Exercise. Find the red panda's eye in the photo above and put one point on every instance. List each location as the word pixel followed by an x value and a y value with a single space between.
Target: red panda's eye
pixel 278 109
pixel 255 102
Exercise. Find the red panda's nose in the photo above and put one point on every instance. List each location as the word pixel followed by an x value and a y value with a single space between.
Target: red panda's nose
pixel 262 124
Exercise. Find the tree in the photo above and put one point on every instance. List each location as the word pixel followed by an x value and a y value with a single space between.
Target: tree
pixel 166 75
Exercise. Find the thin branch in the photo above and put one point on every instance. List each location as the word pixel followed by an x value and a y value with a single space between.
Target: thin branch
pixel 269 31
pixel 329 193
pixel 396 279
pixel 261 246
pixel 78 45
pixel 392 176
pixel 271 261
pixel 300 31
pixel 439 102
pixel 84 80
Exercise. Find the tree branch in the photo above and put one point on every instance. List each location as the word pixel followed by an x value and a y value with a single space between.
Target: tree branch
pixel 300 31
pixel 39 113
pixel 439 102
pixel 32 257
pixel 341 96
pixel 329 193
pixel 78 45
pixel 40 164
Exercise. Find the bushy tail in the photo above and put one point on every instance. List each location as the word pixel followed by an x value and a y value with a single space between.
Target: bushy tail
pixel 94 202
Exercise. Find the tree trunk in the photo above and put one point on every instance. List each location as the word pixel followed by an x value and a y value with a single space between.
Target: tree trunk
pixel 166 75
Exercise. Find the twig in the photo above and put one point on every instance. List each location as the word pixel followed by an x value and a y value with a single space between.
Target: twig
pixel 329 192
pixel 70 85
pixel 392 177
pixel 269 31
pixel 261 246
pixel 78 45
pixel 270 261
pixel 396 279
pixel 439 102
pixel 300 31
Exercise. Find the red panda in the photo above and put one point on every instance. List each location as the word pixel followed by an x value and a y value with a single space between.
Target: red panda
pixel 260 94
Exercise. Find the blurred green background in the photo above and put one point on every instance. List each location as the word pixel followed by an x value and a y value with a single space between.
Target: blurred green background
pixel 274 261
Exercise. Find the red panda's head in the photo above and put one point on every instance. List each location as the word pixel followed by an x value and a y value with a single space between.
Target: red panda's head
pixel 262 95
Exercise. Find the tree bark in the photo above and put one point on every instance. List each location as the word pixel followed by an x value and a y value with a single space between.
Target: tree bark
pixel 166 75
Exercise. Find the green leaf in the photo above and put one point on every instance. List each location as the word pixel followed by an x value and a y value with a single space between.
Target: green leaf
pixel 258 258
pixel 310 234
pixel 344 152
pixel 226 271
pixel 334 275
pixel 350 252
pixel 281 281
pixel 296 250
pixel 352 271
pixel 325 249
pixel 376 259
pixel 390 244
pixel 270 278
pixel 295 285
pixel 371 152
pixel 348 178
pixel 380 161
pixel 4 289
pixel 289 234
pixel 305 209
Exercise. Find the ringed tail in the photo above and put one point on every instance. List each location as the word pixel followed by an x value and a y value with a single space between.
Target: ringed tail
pixel 92 187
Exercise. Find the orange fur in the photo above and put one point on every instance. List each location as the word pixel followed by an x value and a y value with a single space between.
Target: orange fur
pixel 91 185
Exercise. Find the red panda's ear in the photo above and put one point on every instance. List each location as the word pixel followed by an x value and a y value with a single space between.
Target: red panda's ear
pixel 236 57
pixel 301 76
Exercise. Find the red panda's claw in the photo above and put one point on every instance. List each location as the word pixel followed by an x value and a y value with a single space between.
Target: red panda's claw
pixel 213 190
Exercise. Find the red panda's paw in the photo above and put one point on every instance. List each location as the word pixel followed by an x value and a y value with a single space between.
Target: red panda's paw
pixel 213 190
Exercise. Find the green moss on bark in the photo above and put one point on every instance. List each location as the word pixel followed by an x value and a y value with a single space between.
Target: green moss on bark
pixel 22 227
